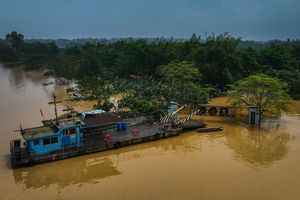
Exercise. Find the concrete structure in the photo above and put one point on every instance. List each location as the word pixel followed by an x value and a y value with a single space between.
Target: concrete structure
pixel 253 115
pixel 215 110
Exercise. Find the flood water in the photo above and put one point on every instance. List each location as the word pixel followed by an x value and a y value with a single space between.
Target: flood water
pixel 238 163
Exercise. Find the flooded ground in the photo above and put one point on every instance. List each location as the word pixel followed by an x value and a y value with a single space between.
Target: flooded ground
pixel 238 163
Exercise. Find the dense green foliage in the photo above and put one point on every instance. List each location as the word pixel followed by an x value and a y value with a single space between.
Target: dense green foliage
pixel 158 69
pixel 33 55
pixel 16 40
pixel 178 81
pixel 266 93
pixel 182 83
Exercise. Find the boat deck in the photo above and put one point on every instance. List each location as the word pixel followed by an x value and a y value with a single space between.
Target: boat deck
pixel 133 135
pixel 143 130
pixel 138 133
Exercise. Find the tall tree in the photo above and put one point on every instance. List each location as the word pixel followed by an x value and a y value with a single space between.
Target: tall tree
pixel 219 61
pixel 15 39
pixel 266 93
pixel 181 81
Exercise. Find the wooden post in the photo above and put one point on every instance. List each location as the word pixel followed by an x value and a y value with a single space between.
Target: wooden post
pixel 55 108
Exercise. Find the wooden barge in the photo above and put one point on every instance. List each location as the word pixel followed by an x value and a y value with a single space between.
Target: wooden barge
pixel 88 132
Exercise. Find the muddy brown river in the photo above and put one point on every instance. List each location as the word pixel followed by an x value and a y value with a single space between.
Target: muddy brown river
pixel 238 163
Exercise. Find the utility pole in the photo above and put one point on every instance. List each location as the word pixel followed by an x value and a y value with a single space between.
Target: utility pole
pixel 55 107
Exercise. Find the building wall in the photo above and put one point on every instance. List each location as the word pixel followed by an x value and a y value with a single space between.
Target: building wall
pixel 63 141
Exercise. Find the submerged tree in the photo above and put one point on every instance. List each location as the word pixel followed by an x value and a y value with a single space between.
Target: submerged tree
pixel 266 93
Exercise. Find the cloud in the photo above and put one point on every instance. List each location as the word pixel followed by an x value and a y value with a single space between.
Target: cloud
pixel 256 19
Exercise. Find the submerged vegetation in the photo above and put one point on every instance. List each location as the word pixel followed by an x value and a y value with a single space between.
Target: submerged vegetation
pixel 264 92
pixel 151 72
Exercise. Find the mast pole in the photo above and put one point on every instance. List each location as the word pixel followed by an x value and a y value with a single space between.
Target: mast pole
pixel 55 108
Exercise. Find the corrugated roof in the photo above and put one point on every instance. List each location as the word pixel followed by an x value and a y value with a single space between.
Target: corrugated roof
pixel 37 132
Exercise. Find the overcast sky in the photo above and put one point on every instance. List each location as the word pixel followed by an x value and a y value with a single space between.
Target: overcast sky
pixel 249 19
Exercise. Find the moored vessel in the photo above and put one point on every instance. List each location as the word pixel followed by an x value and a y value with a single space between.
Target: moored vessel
pixel 81 133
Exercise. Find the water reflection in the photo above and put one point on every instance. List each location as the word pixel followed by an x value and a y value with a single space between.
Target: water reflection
pixel 251 146
pixel 259 147
pixel 92 168
pixel 18 77
pixel 25 80
pixel 67 172
pixel 17 81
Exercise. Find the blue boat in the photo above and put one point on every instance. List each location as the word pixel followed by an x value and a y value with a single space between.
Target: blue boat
pixel 87 132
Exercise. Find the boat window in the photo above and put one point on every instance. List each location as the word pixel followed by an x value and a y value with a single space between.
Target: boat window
pixel 55 129
pixel 54 140
pixel 46 141
pixel 36 142
pixel 70 131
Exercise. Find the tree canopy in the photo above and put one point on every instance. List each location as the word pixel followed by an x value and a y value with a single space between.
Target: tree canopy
pixel 160 68
pixel 266 93
pixel 182 83
pixel 15 39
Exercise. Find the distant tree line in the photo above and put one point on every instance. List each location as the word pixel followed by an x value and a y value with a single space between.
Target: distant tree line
pixel 33 55
pixel 201 66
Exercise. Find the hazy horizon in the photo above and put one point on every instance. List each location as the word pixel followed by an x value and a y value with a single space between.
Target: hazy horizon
pixel 76 19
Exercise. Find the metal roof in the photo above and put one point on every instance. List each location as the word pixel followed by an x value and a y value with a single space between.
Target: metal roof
pixel 37 132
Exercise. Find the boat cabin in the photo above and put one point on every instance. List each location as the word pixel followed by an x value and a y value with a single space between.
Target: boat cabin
pixel 46 139
pixel 67 132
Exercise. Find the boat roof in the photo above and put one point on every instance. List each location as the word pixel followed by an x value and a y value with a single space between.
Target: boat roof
pixel 92 112
pixel 101 119
pixel 68 122
pixel 38 132
pixel 50 127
